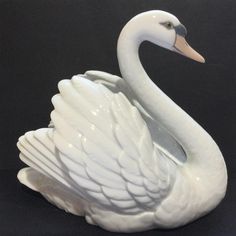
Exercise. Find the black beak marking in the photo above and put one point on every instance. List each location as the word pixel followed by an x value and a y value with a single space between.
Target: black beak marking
pixel 180 30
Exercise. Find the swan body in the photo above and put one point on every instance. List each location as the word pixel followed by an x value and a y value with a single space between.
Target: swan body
pixel 119 151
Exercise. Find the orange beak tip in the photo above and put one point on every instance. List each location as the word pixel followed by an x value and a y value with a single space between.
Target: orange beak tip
pixel 183 48
pixel 202 60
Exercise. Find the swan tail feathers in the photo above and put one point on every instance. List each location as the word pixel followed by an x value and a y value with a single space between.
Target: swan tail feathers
pixel 52 190
pixel 29 177
pixel 38 151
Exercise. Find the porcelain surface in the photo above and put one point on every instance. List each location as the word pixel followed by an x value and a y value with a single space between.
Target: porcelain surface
pixel 120 152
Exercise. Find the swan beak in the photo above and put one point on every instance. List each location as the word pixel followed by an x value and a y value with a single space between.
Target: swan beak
pixel 182 47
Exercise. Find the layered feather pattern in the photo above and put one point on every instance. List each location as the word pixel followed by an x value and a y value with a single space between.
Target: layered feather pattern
pixel 100 148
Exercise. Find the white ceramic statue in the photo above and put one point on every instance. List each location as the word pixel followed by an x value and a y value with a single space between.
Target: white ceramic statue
pixel 119 151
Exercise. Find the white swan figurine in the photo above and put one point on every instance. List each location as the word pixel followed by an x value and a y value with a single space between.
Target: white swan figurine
pixel 119 151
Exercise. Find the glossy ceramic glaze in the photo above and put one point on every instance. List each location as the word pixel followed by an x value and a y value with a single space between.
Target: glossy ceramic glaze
pixel 119 151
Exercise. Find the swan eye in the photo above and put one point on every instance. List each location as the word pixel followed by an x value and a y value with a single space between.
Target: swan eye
pixel 168 25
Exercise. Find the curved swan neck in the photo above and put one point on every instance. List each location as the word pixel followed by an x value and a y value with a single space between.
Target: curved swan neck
pixel 155 102
pixel 204 156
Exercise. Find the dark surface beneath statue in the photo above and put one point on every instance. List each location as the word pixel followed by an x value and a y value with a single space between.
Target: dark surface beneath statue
pixel 42 42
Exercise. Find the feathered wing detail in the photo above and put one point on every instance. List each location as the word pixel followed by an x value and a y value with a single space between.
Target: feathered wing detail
pixel 100 148
pixel 160 136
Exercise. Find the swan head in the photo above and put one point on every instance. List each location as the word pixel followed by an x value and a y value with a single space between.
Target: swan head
pixel 164 30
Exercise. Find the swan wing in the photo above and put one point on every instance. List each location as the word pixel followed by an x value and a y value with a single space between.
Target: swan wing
pixel 103 148
pixel 160 136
